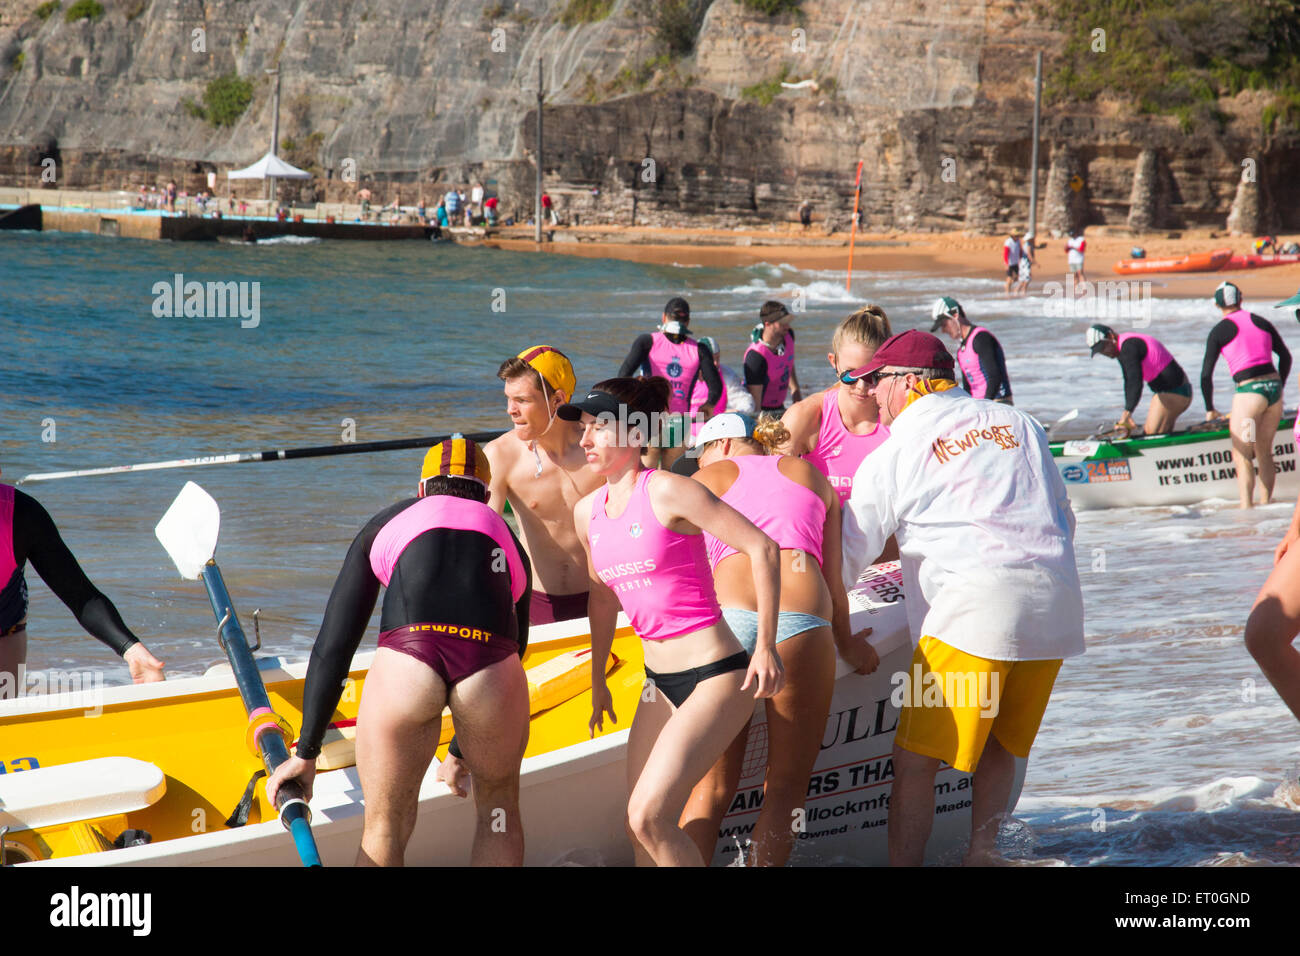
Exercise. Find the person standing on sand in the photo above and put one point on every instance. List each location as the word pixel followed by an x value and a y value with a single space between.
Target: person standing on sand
pixel 1144 359
pixel 646 554
pixel 769 361
pixel 986 537
pixel 836 428
pixel 548 210
pixel 1011 260
pixel 979 354
pixel 455 613
pixel 1248 342
pixel 805 214
pixel 1026 264
pixel 792 503
pixel 27 532
pixel 1074 248
pixel 476 200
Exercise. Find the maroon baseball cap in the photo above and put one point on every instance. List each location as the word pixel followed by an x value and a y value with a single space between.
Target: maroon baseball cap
pixel 910 349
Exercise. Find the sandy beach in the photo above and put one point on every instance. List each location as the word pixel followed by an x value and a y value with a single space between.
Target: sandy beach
pixel 948 254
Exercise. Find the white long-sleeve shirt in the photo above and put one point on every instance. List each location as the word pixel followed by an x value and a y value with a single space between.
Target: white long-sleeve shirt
pixel 985 529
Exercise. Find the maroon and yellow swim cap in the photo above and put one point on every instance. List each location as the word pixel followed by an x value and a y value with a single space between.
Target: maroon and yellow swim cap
pixel 456 458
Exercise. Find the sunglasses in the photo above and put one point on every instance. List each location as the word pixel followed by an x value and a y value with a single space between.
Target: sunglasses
pixel 871 379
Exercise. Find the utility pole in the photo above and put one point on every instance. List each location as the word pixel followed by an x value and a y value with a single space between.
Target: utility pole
pixel 1033 175
pixel 275 126
pixel 537 200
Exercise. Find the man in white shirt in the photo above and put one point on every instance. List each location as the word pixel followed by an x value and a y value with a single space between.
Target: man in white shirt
pixel 1074 249
pixel 986 537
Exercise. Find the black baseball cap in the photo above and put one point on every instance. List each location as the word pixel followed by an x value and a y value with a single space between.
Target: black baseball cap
pixel 678 308
pixel 595 404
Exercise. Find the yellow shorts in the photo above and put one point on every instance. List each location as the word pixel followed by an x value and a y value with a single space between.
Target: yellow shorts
pixel 952 700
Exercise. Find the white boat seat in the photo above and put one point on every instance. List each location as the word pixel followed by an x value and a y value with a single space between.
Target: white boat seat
pixel 52 796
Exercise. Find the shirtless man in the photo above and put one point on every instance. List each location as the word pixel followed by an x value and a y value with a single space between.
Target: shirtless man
pixel 540 468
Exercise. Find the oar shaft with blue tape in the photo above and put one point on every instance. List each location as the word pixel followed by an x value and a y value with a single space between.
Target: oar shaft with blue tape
pixel 270 744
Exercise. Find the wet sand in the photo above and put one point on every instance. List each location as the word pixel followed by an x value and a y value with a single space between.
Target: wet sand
pixel 948 254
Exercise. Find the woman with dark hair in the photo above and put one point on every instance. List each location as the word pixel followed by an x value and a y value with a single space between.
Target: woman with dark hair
pixel 793 503
pixel 646 553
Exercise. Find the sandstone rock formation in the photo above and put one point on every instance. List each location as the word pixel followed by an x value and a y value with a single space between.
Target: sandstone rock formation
pixel 934 96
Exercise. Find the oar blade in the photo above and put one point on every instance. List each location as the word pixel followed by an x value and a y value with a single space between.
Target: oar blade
pixel 189 530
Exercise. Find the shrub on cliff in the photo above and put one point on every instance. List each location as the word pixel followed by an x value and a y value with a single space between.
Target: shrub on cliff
pixel 224 100
pixel 676 23
pixel 1176 56
pixel 772 7
pixel 585 11
pixel 46 10
pixel 84 10
pixel 768 90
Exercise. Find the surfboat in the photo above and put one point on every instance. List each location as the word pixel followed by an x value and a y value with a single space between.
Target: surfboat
pixel 79 772
pixel 1181 468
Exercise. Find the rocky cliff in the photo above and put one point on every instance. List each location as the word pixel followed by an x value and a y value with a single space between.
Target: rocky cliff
pixel 934 96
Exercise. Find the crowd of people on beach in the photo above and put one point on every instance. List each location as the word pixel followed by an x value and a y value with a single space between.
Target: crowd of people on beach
pixel 728 515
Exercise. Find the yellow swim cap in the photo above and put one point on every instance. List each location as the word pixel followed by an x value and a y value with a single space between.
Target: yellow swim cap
pixel 552 365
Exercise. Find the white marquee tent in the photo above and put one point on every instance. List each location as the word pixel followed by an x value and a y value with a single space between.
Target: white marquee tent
pixel 269 167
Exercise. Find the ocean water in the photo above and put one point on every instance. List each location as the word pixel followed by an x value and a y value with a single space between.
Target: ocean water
pixel 1162 745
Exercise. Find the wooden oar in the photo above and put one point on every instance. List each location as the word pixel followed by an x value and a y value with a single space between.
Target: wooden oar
pixel 188 531
pixel 279 454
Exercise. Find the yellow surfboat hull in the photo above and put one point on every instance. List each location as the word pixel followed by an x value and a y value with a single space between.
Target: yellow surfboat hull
pixel 573 790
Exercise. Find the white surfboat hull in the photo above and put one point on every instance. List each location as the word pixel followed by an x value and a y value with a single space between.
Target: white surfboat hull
pixel 573 800
pixel 1175 470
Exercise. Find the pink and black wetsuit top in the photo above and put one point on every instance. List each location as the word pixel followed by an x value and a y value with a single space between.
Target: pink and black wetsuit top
pixel 1144 359
pixel 1248 343
pixel 13 597
pixel 838 451
pixel 27 532
pixel 770 368
pixel 661 578
pixel 983 366
pixel 790 514
pixel 681 363
pixel 457 579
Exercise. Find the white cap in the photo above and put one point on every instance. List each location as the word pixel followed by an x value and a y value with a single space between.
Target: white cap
pixel 1227 295
pixel 728 425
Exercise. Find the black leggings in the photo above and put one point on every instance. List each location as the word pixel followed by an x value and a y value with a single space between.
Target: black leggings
pixel 678 685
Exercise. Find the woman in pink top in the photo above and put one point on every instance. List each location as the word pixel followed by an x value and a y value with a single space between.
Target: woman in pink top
pixel 790 501
pixel 646 553
pixel 836 428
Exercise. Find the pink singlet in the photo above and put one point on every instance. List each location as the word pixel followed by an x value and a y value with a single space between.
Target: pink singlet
pixel 1158 357
pixel 778 371
pixel 662 578
pixel 790 514
pixel 444 511
pixel 838 451
pixel 1251 345
pixel 680 364
pixel 7 563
